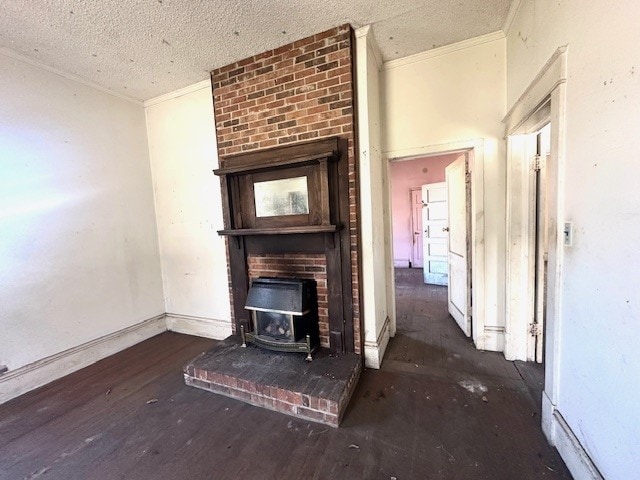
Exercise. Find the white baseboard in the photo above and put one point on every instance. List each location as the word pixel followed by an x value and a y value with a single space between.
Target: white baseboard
pixel 493 338
pixel 401 263
pixel 199 326
pixel 547 418
pixel 560 435
pixel 21 380
pixel 374 351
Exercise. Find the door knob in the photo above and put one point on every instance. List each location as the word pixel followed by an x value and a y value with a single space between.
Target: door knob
pixel 445 229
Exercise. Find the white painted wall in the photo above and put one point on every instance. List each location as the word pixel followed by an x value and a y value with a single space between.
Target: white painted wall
pixel 377 263
pixel 447 96
pixel 599 362
pixel 182 146
pixel 78 248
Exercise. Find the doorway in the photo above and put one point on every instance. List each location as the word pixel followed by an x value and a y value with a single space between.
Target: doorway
pixel 544 103
pixel 431 212
pixel 540 243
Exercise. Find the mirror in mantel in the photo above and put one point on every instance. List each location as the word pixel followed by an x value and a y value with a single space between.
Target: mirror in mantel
pixel 286 196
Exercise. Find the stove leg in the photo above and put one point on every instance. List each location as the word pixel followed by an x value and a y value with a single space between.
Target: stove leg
pixel 309 358
pixel 244 340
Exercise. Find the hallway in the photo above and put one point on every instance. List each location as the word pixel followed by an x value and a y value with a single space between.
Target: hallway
pixel 482 400
pixel 428 337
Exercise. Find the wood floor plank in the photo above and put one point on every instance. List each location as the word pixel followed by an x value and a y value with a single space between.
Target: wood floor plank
pixel 404 421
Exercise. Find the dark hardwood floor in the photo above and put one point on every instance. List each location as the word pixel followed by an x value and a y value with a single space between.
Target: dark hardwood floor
pixel 438 409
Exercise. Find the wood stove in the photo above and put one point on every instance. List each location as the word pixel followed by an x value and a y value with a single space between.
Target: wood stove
pixel 284 314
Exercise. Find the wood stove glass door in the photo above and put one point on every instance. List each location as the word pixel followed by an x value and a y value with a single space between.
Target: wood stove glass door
pixel 277 326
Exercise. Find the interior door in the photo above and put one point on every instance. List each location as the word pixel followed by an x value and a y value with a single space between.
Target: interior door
pixel 434 233
pixel 416 228
pixel 459 251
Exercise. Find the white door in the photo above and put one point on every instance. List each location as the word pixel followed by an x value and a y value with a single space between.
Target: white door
pixel 459 252
pixel 434 233
pixel 416 228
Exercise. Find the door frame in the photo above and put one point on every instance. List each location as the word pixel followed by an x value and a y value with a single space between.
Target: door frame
pixel 475 151
pixel 412 226
pixel 542 102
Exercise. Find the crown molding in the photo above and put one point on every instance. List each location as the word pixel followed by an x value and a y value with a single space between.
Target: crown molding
pixel 437 52
pixel 7 52
pixel 178 93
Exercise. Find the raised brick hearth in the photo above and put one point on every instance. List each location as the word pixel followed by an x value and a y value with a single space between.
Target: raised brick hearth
pixel 318 391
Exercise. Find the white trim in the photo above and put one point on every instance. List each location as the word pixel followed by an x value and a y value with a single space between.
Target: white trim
pixel 375 50
pixel 476 165
pixel 7 52
pixel 511 15
pixel 411 153
pixel 547 418
pixel 363 32
pixel 445 50
pixel 401 262
pixel 372 179
pixel 374 351
pixel 24 379
pixel 494 338
pixel 178 93
pixel 571 450
pixel 553 74
pixel 199 326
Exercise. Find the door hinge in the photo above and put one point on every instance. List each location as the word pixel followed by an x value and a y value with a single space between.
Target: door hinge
pixel 536 164
pixel 535 329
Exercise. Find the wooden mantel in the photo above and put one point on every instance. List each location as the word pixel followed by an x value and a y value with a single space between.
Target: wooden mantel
pixel 324 164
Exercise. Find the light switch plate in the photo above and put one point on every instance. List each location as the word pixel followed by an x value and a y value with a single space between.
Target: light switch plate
pixel 568 234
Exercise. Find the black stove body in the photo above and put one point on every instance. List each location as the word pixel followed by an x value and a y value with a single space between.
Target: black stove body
pixel 284 314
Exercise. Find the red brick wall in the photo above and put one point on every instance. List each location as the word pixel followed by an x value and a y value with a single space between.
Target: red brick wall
pixel 300 266
pixel 295 93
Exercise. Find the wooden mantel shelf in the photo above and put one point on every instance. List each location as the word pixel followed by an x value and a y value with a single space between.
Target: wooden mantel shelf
pixel 241 232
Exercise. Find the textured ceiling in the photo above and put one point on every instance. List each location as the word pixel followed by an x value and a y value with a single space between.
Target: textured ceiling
pixel 144 48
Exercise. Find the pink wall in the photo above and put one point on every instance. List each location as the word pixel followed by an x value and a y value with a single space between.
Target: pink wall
pixel 406 175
